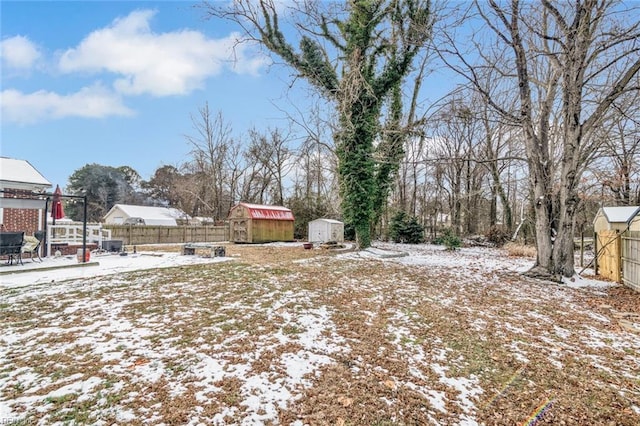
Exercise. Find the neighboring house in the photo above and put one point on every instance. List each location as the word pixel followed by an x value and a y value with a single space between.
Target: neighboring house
pixel 256 223
pixel 614 218
pixel 125 214
pixel 325 230
pixel 202 220
pixel 19 209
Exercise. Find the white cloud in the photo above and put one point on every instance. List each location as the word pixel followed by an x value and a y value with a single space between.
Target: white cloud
pixel 18 52
pixel 171 63
pixel 89 102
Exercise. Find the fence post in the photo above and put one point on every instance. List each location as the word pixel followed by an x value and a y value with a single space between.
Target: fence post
pixel 595 252
pixel 619 252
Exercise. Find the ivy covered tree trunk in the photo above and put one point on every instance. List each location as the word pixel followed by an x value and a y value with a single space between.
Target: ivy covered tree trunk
pixel 356 172
pixel 389 154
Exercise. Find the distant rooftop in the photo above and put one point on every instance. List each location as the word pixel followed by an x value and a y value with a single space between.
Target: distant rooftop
pixel 20 172
pixel 151 212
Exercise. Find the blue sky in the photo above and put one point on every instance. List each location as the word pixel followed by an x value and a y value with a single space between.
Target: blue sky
pixel 116 83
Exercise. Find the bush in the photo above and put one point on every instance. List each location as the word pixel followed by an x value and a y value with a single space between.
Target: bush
pixel 349 232
pixel 520 250
pixel 448 239
pixel 497 235
pixel 405 229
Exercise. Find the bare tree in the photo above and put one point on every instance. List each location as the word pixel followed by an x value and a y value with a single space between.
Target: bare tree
pixel 618 165
pixel 236 168
pixel 212 145
pixel 272 154
pixel 498 152
pixel 575 58
pixel 450 149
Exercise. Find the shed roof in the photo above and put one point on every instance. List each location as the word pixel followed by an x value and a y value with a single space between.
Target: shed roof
pixel 259 211
pixel 152 215
pixel 21 172
pixel 620 214
pixel 327 220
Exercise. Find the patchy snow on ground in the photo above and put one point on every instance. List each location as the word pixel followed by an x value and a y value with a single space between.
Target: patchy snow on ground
pixel 398 332
pixel 53 269
pixel 578 281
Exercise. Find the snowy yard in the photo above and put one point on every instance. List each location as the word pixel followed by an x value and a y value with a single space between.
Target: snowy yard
pixel 282 335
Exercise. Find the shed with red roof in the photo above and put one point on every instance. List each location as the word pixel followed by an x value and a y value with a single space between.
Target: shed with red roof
pixel 256 223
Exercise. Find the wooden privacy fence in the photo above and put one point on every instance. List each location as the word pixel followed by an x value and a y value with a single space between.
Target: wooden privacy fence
pixel 618 257
pixel 608 262
pixel 138 234
pixel 631 259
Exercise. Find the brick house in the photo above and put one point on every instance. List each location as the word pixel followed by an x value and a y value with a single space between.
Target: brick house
pixel 18 209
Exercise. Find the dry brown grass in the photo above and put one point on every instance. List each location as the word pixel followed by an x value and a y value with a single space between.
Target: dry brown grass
pixel 404 332
pixel 520 250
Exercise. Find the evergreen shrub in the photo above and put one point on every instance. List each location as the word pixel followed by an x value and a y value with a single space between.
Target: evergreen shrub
pixel 448 239
pixel 405 229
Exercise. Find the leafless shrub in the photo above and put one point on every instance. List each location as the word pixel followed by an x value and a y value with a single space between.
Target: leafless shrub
pixel 520 250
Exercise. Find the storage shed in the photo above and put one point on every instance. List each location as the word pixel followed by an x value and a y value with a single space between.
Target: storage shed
pixel 608 225
pixel 325 230
pixel 256 223
pixel 614 218
pixel 634 222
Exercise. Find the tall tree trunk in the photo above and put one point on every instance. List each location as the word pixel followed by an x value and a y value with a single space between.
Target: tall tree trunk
pixel 543 210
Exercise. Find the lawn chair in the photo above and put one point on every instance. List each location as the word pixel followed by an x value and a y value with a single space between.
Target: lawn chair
pixel 31 245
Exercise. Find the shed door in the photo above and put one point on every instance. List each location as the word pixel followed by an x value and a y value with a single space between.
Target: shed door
pixel 239 232
pixel 315 232
pixel 334 232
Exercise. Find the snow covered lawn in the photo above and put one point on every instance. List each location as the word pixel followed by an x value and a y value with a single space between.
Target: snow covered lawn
pixel 282 335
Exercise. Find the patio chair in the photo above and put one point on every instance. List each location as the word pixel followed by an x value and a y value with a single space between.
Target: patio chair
pixel 11 246
pixel 31 245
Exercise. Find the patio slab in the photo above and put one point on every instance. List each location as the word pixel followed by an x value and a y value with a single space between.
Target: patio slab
pixel 56 269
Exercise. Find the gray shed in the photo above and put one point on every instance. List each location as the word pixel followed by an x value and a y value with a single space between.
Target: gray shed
pixel 325 230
